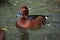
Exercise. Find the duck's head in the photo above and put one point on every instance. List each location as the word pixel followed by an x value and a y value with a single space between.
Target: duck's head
pixel 23 11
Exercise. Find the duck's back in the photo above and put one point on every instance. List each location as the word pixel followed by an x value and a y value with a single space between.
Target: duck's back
pixel 31 17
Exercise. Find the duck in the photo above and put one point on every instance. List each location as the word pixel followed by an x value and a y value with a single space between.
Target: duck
pixel 29 21
pixel 2 34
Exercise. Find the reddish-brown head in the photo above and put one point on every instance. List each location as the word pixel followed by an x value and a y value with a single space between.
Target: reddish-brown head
pixel 24 10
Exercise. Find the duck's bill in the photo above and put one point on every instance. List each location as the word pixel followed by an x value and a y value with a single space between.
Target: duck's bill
pixel 19 14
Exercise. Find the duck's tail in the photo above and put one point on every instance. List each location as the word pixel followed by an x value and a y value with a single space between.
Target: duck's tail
pixel 45 18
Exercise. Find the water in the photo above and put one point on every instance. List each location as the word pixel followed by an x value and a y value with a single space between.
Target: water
pixel 50 31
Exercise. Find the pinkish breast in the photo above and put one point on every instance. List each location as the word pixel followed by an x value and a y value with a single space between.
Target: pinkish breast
pixel 23 23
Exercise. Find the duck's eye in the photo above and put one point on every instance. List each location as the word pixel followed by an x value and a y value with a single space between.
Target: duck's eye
pixel 19 14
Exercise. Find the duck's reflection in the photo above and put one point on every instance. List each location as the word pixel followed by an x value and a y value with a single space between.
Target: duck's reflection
pixel 23 33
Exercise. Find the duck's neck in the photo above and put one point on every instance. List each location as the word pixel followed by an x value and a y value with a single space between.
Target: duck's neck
pixel 24 19
pixel 25 14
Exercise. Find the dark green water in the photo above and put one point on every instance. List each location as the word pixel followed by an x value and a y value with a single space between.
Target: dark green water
pixel 50 31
